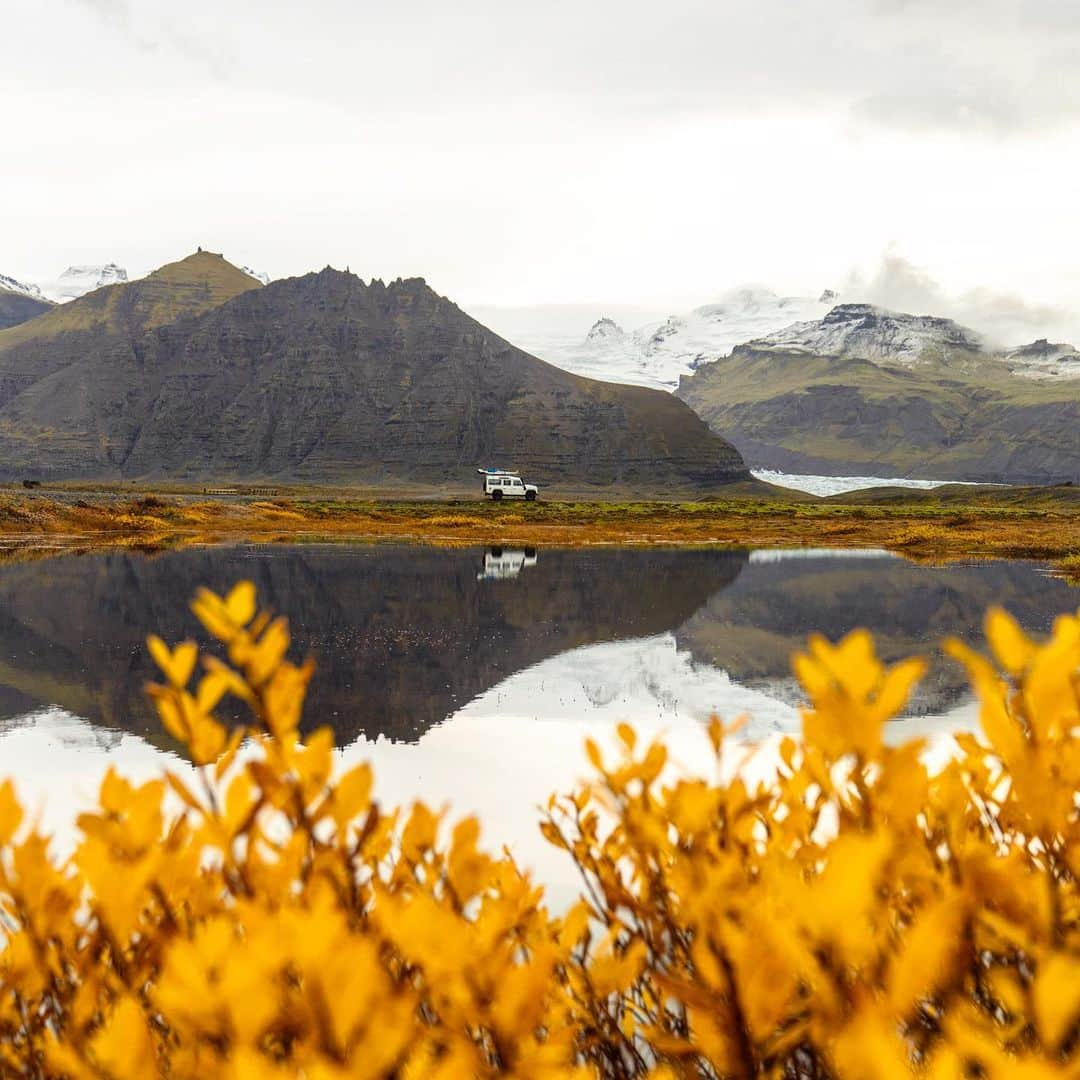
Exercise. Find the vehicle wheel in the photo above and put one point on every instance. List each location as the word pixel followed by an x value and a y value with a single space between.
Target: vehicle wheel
pixel 496 495
pixel 530 496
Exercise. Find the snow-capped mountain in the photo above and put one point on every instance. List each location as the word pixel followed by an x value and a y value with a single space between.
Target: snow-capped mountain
pixel 871 333
pixel 605 331
pixel 11 285
pixel 866 332
pixel 258 275
pixel 658 353
pixel 77 281
pixel 1043 359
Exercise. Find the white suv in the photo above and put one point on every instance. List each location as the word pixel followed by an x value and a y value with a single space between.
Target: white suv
pixel 507 485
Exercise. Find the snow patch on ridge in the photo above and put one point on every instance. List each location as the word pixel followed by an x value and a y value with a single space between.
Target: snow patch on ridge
pixel 258 275
pixel 11 285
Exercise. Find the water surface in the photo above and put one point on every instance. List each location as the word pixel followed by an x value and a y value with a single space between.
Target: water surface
pixel 472 675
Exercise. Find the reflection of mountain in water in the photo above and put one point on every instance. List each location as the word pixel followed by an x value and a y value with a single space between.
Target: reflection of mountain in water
pixel 751 628
pixel 406 636
pixel 403 636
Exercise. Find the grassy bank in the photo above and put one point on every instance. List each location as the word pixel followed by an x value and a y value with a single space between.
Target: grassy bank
pixel 1038 523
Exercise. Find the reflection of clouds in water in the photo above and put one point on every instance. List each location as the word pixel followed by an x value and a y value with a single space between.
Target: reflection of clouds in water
pixel 646 681
pixel 57 761
pixel 499 757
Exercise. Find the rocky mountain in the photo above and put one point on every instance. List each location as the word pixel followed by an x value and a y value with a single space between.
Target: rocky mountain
pixel 871 333
pixel 659 353
pixel 605 331
pixel 107 322
pixel 871 392
pixel 1044 360
pixel 19 307
pixel 196 372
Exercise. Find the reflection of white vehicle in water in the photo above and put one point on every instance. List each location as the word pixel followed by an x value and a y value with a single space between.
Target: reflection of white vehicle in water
pixel 501 563
pixel 504 484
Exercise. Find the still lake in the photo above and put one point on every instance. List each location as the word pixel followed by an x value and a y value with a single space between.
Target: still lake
pixel 471 676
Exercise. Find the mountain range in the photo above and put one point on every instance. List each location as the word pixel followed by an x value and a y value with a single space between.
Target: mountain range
pixel 660 352
pixel 202 370
pixel 874 392
pixel 77 281
pixel 199 372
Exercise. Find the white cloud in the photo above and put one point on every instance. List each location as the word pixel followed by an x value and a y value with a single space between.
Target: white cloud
pixel 515 153
pixel 1005 318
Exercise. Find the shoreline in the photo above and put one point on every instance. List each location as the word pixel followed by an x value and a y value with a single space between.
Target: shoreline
pixel 943 525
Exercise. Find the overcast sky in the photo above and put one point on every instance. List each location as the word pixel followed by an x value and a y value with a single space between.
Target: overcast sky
pixel 560 151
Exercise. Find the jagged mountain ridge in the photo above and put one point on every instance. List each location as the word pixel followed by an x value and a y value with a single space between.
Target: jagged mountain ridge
pixel 865 391
pixel 323 378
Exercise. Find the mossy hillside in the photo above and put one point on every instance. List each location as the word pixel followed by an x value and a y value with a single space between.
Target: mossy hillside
pixel 187 287
pixel 973 420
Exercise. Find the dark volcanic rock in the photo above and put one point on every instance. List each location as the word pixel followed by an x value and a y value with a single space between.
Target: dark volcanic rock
pixel 325 378
pixel 16 308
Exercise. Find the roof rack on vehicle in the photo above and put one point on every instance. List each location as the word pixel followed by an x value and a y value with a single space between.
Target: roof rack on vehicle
pixel 500 472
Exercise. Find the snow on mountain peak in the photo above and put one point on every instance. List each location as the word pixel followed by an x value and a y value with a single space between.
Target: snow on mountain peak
pixel 746 300
pixel 604 331
pixel 659 353
pixel 1044 359
pixel 867 332
pixel 11 285
pixel 258 275
pixel 77 281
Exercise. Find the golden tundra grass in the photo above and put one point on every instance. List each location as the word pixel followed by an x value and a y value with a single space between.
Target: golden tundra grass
pixel 1006 525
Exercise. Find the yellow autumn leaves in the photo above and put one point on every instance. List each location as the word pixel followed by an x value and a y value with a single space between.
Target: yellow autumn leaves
pixel 857 917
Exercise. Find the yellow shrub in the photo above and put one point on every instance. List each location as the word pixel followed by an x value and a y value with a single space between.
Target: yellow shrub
pixel 860 917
